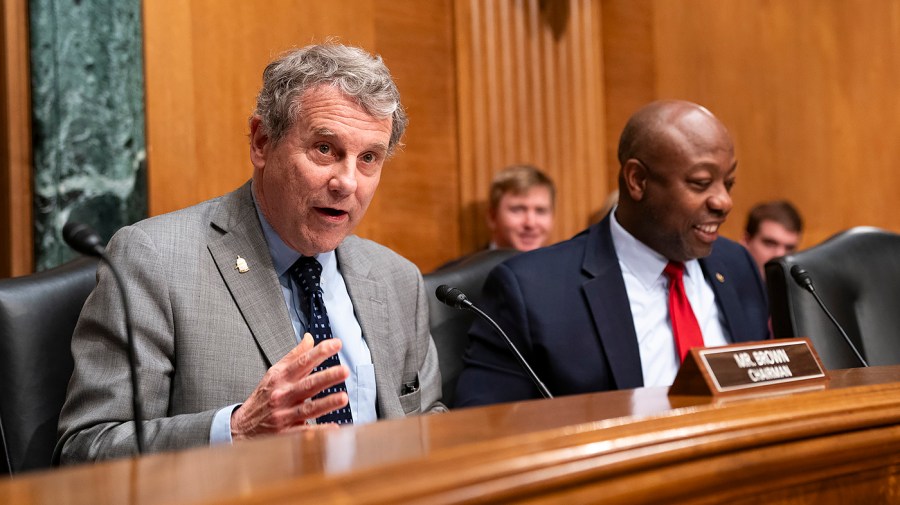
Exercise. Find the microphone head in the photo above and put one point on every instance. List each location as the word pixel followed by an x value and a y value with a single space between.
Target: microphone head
pixel 83 239
pixel 452 297
pixel 802 278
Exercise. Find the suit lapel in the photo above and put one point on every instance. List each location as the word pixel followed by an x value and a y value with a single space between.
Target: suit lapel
pixel 256 292
pixel 369 298
pixel 610 310
pixel 726 296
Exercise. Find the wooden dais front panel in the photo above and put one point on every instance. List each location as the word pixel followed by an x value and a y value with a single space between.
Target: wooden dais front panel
pixel 838 445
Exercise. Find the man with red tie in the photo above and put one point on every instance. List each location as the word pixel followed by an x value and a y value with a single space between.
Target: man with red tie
pixel 619 305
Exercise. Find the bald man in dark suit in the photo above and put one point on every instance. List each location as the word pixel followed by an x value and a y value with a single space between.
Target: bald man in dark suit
pixel 592 313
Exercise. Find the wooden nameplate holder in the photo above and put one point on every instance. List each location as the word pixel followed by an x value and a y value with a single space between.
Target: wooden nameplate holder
pixel 765 367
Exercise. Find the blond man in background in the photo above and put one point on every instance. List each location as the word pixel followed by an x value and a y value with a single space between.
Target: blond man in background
pixel 520 215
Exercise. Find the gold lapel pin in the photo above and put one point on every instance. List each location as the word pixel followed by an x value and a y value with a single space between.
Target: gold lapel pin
pixel 720 277
pixel 241 265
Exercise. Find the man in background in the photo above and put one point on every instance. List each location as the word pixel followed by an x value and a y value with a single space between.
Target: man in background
pixel 520 215
pixel 620 305
pixel 773 230
pixel 520 211
pixel 259 312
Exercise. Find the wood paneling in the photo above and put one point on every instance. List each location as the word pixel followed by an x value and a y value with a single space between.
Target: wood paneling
pixel 807 88
pixel 416 207
pixel 204 59
pixel 530 86
pixel 16 244
pixel 628 69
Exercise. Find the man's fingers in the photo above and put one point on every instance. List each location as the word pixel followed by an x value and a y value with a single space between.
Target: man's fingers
pixel 319 407
pixel 300 362
pixel 284 398
pixel 306 343
pixel 289 417
pixel 300 390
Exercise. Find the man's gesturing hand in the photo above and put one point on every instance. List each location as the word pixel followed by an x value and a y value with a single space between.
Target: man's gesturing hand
pixel 283 399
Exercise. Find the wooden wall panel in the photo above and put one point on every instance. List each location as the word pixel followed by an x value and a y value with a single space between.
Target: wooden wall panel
pixel 415 209
pixel 628 69
pixel 204 60
pixel 530 83
pixel 16 243
pixel 807 88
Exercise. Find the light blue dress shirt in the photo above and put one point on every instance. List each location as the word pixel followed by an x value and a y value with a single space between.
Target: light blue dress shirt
pixel 354 352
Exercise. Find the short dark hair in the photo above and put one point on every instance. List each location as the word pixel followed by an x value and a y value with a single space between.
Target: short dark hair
pixel 780 211
pixel 518 179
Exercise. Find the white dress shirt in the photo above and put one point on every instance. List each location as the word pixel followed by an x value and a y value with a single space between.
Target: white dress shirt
pixel 648 295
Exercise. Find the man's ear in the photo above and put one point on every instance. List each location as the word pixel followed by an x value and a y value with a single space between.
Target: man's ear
pixel 635 175
pixel 259 140
pixel 746 239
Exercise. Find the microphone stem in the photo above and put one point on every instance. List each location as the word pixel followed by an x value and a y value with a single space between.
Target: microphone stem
pixel 534 378
pixel 132 359
pixel 840 329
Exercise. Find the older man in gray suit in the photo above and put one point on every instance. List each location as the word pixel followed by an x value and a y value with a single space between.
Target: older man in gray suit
pixel 235 300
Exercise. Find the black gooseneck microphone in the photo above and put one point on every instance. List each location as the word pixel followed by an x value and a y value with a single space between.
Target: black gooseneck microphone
pixel 83 239
pixel 458 300
pixel 803 279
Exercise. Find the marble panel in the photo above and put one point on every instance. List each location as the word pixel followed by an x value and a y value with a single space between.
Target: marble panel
pixel 88 119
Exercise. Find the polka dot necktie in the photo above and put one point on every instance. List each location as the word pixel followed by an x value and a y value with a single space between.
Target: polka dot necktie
pixel 306 272
pixel 684 323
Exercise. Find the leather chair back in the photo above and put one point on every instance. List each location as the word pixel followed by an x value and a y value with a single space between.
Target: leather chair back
pixel 449 326
pixel 857 275
pixel 38 313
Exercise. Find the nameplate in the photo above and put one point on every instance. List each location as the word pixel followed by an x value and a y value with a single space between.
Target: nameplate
pixel 750 368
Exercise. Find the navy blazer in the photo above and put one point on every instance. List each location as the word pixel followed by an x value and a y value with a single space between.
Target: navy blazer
pixel 566 309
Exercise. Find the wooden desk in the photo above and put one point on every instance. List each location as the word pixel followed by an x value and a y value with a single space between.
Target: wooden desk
pixel 835 445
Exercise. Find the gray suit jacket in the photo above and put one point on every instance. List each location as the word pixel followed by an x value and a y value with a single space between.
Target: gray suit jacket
pixel 206 334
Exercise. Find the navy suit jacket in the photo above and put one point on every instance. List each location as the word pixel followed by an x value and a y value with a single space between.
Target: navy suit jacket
pixel 566 308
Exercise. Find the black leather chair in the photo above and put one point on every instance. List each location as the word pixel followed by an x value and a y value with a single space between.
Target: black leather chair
pixel 38 313
pixel 449 326
pixel 857 275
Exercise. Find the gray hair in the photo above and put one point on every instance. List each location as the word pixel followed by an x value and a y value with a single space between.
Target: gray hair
pixel 359 75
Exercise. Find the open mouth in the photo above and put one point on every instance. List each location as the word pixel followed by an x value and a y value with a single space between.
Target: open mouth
pixel 328 211
pixel 707 228
pixel 708 231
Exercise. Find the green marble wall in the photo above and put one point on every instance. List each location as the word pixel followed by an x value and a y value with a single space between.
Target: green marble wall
pixel 88 119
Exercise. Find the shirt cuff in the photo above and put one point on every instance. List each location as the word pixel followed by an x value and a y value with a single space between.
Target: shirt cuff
pixel 220 431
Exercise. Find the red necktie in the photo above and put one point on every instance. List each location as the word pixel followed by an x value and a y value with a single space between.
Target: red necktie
pixel 684 323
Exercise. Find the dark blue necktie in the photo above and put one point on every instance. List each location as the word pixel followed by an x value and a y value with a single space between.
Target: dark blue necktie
pixel 306 272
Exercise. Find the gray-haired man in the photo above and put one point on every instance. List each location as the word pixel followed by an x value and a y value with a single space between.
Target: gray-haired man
pixel 233 335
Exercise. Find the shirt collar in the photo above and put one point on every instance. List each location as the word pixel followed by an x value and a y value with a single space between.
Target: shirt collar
pixel 283 256
pixel 645 264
